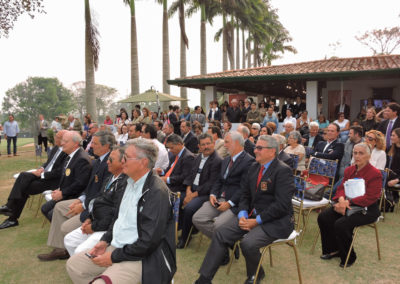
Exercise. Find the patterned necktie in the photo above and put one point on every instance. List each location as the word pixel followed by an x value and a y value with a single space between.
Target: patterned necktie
pixel 388 133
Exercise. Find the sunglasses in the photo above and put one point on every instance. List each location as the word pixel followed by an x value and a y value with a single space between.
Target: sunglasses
pixel 259 148
pixel 370 138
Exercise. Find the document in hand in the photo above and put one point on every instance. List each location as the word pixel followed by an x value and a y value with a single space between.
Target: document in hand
pixel 354 188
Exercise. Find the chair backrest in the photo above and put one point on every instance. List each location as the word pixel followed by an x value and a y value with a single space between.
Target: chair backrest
pixel 326 168
pixel 295 161
pixel 176 200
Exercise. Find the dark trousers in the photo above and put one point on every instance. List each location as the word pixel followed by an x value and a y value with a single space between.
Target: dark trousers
pixel 188 212
pixel 14 140
pixel 42 140
pixel 337 230
pixel 224 237
pixel 25 185
pixel 47 209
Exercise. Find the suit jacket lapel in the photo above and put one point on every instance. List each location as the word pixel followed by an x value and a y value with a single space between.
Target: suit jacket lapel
pixel 236 162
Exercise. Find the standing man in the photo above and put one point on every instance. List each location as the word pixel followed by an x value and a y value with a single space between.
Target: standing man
pixel 265 213
pixel 139 247
pixel 391 114
pixel 41 129
pixel 233 113
pixel 271 117
pixel 45 178
pixel 11 131
pixel 173 118
pixel 198 116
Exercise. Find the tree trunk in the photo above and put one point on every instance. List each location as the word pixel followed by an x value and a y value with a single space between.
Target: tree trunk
pixel 237 46
pixel 165 53
pixel 89 66
pixel 249 52
pixel 231 45
pixel 184 43
pixel 135 88
pixel 203 50
pixel 224 45
pixel 255 50
pixel 243 50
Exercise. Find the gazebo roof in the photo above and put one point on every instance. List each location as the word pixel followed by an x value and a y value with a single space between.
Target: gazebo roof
pixel 263 79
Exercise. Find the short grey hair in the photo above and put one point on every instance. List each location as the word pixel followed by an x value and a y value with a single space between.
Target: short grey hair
pixel 174 139
pixel 121 152
pixel 145 149
pixel 237 136
pixel 296 135
pixel 289 123
pixel 105 138
pixel 76 137
pixel 271 141
pixel 365 146
pixel 205 136
pixel 244 130
pixel 314 124
pixel 256 125
pixel 280 139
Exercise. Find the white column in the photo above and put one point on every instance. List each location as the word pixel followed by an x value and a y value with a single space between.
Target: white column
pixel 211 93
pixel 312 99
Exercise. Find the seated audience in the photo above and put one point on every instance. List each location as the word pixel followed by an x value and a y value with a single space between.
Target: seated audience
pixel 344 125
pixel 355 137
pixel 370 122
pixel 295 147
pixel 219 147
pixel 227 126
pixel 139 245
pixel 135 131
pixel 322 122
pixel 248 145
pixel 204 173
pixel 149 132
pixel 265 214
pixel 338 222
pixel 303 123
pixel 393 163
pixel 273 127
pixel 312 138
pixel 289 118
pixel 255 132
pixel 376 140
pixel 122 136
pixel 189 139
pixel 44 178
pixel 270 117
pixel 289 127
pixel 282 155
pixel 160 134
pixel 253 115
pixel 197 130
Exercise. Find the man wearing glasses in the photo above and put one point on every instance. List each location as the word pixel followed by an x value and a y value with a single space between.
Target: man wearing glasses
pixel 265 213
pixel 139 246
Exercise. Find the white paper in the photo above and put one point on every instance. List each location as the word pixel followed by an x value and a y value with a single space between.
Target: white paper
pixel 354 188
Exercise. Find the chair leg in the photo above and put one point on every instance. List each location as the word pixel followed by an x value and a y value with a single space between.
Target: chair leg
pixel 315 241
pixel 270 256
pixel 30 201
pixel 44 222
pixel 228 269
pixel 377 241
pixel 297 262
pixel 259 263
pixel 188 238
pixel 351 246
pixel 307 216
pixel 40 201
pixel 201 239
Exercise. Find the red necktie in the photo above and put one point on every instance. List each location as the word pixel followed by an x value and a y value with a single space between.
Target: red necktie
pixel 260 173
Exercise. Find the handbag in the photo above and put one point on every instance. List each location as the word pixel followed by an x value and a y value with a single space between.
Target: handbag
pixel 315 187
pixel 355 209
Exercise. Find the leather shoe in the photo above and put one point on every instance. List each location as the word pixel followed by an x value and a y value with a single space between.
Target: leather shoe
pixel 202 280
pixel 329 256
pixel 252 280
pixel 8 223
pixel 237 252
pixel 181 244
pixel 226 259
pixel 349 263
pixel 56 253
pixel 5 210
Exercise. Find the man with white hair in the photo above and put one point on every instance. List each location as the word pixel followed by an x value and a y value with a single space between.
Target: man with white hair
pixel 312 138
pixel 255 131
pixel 283 156
pixel 233 113
pixel 289 127
pixel 248 145
pixel 72 124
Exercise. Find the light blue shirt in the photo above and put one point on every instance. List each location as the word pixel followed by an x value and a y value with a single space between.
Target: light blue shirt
pixel 311 141
pixel 11 129
pixel 273 119
pixel 125 227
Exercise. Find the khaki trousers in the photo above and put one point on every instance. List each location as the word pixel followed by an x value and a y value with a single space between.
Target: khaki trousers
pixel 82 270
pixel 61 224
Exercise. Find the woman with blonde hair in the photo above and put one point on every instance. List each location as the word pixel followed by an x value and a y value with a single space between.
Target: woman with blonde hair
pixel 370 122
pixel 376 140
pixel 147 119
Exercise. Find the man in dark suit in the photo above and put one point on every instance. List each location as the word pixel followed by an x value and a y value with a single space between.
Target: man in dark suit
pixel 248 145
pixel 174 119
pixel 45 178
pixel 41 130
pixel 75 173
pixel 391 114
pixel 283 156
pixel 226 192
pixel 233 113
pixel 86 143
pixel 204 174
pixel 69 214
pixel 311 139
pixel 189 139
pixel 331 149
pixel 265 213
pixel 215 112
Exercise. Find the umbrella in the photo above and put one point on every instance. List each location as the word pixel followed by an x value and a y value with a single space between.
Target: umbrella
pixel 151 96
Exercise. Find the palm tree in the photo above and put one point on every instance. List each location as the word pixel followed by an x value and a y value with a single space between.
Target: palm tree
pixel 92 48
pixel 165 47
pixel 135 88
pixel 179 5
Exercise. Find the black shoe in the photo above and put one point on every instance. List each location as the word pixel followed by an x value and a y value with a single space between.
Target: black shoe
pixel 5 210
pixel 8 223
pixel 181 244
pixel 226 259
pixel 349 263
pixel 251 279
pixel 329 256
pixel 237 252
pixel 202 280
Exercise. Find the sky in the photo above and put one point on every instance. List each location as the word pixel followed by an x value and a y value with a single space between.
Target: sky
pixel 52 44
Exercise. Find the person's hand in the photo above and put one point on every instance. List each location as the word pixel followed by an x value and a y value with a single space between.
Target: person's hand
pixel 213 200
pixel 251 138
pixel 158 171
pixel 103 260
pixel 393 182
pixel 87 229
pixel 247 224
pixel 38 172
pixel 224 206
pixel 56 195
pixel 5 136
pixel 76 209
pixel 99 248
pixel 341 206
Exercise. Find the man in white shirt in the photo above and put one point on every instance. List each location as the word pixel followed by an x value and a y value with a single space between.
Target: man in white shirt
pixel 289 117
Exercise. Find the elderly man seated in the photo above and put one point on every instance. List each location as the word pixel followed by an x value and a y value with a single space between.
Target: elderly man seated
pixel 139 247
pixel 289 127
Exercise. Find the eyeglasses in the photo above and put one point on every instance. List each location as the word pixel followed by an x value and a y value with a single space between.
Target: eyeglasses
pixel 128 159
pixel 259 148
pixel 370 138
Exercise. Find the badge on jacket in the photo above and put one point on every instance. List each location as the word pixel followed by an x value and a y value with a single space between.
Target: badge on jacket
pixel 264 186
pixel 67 172
pixel 96 179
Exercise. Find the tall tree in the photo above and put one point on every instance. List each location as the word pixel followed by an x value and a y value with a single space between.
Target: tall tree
pixel 179 6
pixel 381 41
pixel 92 48
pixel 36 96
pixel 165 48
pixel 135 88
pixel 10 10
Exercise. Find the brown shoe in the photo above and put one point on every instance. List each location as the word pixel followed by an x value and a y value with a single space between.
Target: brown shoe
pixel 57 253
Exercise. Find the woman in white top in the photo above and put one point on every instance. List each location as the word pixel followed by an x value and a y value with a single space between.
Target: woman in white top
pixel 123 119
pixel 295 147
pixel 376 140
pixel 344 125
pixel 303 123
pixel 123 136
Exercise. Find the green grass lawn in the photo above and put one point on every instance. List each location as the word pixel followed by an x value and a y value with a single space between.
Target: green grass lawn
pixel 20 245
pixel 20 143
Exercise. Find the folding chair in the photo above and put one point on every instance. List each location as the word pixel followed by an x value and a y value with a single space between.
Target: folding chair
pixel 304 207
pixel 295 162
pixel 385 175
pixel 176 203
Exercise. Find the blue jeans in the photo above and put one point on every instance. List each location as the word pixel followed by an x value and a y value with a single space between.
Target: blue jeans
pixel 14 140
